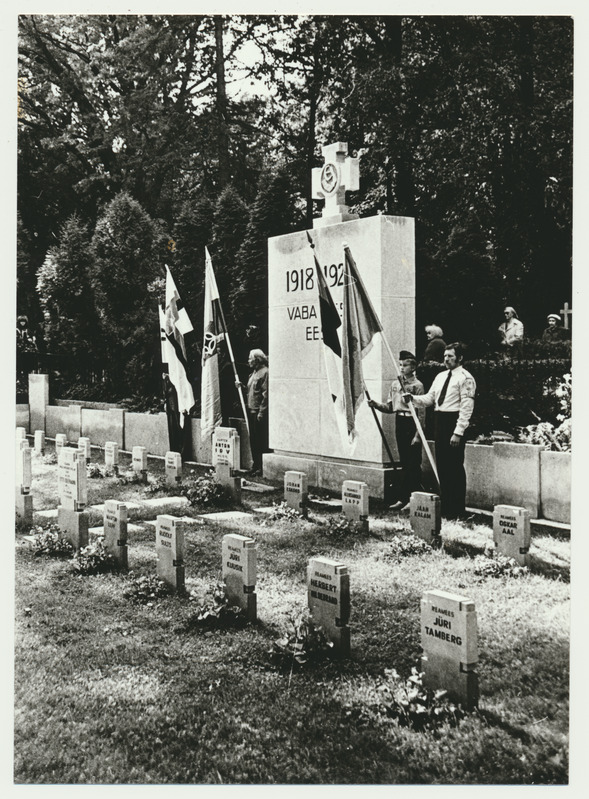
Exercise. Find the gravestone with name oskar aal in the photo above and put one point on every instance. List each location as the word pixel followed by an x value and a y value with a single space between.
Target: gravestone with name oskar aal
pixel 425 516
pixel 450 648
pixel 328 594
pixel 296 491
pixel 226 459
pixel 303 432
pixel 169 547
pixel 72 489
pixel 239 572
pixel 511 533
pixel 115 531
pixel 24 479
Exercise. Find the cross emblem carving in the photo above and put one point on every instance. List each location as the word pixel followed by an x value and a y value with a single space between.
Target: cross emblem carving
pixel 339 174
pixel 566 312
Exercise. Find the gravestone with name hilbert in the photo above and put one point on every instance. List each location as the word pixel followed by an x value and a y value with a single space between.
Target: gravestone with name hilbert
pixel 24 479
pixel 169 547
pixel 111 456
pixel 450 647
pixel 296 491
pixel 355 499
pixel 328 594
pixel 226 460
pixel 72 489
pixel 239 572
pixel 425 516
pixel 511 533
pixel 303 431
pixel 115 531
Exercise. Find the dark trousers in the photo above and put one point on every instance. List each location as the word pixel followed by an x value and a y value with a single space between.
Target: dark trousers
pixel 258 437
pixel 450 464
pixel 409 455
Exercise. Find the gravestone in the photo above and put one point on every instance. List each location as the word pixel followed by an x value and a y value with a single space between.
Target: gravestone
pixel 139 462
pixel 84 447
pixel 303 432
pixel 511 533
pixel 72 489
pixel 173 466
pixel 60 443
pixel 21 434
pixel 40 442
pixel 355 501
pixel 425 516
pixel 450 648
pixel 239 572
pixel 169 547
pixel 24 479
pixel 115 531
pixel 296 491
pixel 226 460
pixel 111 456
pixel 328 590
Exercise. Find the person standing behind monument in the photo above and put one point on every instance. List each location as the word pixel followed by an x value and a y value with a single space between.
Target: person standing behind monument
pixel 511 332
pixel 554 332
pixel 408 441
pixel 452 395
pixel 436 345
pixel 257 406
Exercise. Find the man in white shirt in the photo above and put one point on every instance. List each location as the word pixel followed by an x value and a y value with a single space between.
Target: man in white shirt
pixel 452 395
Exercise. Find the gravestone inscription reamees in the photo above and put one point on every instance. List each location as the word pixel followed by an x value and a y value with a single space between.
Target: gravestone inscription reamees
pixel 328 592
pixel 169 547
pixel 425 516
pixel 355 501
pixel 449 641
pixel 296 491
pixel 84 447
pixel 511 533
pixel 139 462
pixel 72 489
pixel 115 531
pixel 239 572
pixel 39 442
pixel 111 456
pixel 24 479
pixel 173 467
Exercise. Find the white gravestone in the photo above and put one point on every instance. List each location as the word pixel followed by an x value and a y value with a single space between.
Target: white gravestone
pixel 173 467
pixel 425 516
pixel 169 546
pixel 226 460
pixel 21 434
pixel 355 501
pixel 139 461
pixel 24 479
pixel 84 447
pixel 511 533
pixel 60 443
pixel 303 431
pixel 40 442
pixel 72 489
pixel 449 642
pixel 239 572
pixel 296 491
pixel 111 456
pixel 328 593
pixel 115 531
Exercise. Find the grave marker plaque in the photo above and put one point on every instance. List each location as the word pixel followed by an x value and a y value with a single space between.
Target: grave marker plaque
pixel 60 443
pixel 511 533
pixel 84 447
pixel 40 442
pixel 24 478
pixel 21 434
pixel 139 461
pixel 355 501
pixel 449 641
pixel 72 479
pixel 111 456
pixel 328 589
pixel 296 491
pixel 425 516
pixel 169 545
pixel 239 572
pixel 173 466
pixel 115 531
pixel 226 448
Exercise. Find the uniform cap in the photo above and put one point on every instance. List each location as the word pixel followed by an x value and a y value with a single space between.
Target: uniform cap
pixel 553 316
pixel 405 355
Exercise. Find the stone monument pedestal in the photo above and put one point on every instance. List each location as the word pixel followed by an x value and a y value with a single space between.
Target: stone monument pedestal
pixel 74 525
pixel 24 506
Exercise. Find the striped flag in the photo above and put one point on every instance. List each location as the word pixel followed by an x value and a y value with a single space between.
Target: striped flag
pixel 174 325
pixel 214 333
pixel 360 324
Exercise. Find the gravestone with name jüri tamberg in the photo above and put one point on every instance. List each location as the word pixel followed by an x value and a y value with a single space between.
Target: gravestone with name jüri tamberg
pixel 72 489
pixel 24 479
pixel 303 432
pixel 111 456
pixel 511 533
pixel 425 516
pixel 355 498
pixel 226 460
pixel 39 442
pixel 296 491
pixel 450 647
pixel 239 572
pixel 139 462
pixel 169 547
pixel 173 468
pixel 328 594
pixel 115 531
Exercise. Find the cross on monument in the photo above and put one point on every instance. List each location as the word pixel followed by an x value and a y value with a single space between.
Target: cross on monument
pixel 566 312
pixel 339 174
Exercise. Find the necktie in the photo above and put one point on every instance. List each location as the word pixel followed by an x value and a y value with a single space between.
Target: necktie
pixel 442 396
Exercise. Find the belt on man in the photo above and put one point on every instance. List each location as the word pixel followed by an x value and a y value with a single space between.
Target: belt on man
pixel 403 413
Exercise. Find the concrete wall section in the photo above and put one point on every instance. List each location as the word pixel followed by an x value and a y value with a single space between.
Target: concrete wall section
pixel 517 476
pixel 64 420
pixel 101 426
pixel 149 430
pixel 478 463
pixel 38 400
pixel 555 484
pixel 22 418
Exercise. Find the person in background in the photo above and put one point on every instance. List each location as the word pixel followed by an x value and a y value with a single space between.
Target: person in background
pixel 257 406
pixel 436 345
pixel 511 332
pixel 452 395
pixel 408 441
pixel 555 331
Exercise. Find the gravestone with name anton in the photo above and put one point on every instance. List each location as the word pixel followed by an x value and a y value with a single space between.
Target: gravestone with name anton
pixel 303 433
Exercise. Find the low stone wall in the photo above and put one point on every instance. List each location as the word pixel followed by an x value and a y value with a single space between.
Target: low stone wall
pixel 63 420
pixel 149 430
pixel 101 426
pixel 555 486
pixel 22 417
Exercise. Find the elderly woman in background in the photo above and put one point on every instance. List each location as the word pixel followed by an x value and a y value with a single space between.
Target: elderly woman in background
pixel 436 344
pixel 511 331
pixel 257 405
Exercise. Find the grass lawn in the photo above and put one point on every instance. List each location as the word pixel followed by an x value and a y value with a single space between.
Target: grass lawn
pixel 111 691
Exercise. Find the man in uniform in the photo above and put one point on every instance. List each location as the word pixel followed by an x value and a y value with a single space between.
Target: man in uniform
pixel 408 441
pixel 452 395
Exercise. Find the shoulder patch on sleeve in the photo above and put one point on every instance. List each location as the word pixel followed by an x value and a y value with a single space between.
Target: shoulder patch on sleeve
pixel 469 387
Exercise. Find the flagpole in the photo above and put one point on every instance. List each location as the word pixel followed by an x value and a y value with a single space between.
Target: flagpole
pixel 398 371
pixel 381 431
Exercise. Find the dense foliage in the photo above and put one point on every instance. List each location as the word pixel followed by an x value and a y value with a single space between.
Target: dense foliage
pixel 143 138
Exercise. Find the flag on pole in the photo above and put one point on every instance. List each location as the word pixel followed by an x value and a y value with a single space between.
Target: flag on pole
pixel 360 324
pixel 174 324
pixel 210 397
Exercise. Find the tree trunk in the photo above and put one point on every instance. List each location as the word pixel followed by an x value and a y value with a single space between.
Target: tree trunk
pixel 221 107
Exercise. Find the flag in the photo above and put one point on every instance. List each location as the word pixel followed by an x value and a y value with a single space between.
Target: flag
pixel 174 324
pixel 360 324
pixel 210 397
